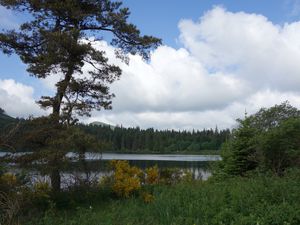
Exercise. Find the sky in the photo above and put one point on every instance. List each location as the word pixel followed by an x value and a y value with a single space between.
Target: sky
pixel 218 59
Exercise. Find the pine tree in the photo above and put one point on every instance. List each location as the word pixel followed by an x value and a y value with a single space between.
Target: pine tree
pixel 59 39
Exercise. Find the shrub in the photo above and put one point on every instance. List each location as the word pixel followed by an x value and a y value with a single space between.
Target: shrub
pixel 147 197
pixel 126 178
pixel 152 175
pixel 9 179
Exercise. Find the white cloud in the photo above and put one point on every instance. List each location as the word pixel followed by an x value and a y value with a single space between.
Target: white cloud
pixel 17 99
pixel 229 63
pixel 174 81
pixel 248 45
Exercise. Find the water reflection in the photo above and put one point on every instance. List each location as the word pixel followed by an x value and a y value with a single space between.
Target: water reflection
pixel 94 168
pixel 74 173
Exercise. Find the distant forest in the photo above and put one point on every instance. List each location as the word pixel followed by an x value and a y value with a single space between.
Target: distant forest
pixel 121 139
pixel 151 140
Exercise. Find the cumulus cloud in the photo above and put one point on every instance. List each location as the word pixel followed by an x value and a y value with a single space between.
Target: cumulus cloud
pixel 17 99
pixel 248 45
pixel 174 81
pixel 229 63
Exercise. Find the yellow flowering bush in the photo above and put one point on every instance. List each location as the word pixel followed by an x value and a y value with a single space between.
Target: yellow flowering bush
pixel 127 179
pixel 40 195
pixel 147 197
pixel 152 175
pixel 105 181
pixel 187 176
pixel 9 179
pixel 41 187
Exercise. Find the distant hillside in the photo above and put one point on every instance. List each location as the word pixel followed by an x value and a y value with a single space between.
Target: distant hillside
pixel 5 119
pixel 101 124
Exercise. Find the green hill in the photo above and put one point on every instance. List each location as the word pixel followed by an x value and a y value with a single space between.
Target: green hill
pixel 101 124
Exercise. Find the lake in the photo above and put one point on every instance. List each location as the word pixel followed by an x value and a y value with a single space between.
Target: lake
pixel 97 164
pixel 149 157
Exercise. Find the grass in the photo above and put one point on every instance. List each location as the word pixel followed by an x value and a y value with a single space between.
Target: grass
pixel 263 200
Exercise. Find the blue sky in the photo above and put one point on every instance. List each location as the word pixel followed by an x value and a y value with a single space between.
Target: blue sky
pixel 218 58
pixel 160 18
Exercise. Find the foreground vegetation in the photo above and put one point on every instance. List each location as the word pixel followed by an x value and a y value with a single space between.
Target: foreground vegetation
pixel 257 199
pixel 257 182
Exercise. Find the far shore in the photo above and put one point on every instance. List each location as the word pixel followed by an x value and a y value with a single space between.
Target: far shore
pixel 200 152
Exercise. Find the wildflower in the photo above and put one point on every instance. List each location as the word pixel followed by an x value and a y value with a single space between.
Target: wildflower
pixel 9 179
pixel 147 197
pixel 126 178
pixel 152 175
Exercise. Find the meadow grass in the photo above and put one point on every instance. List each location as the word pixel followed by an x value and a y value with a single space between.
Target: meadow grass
pixel 263 200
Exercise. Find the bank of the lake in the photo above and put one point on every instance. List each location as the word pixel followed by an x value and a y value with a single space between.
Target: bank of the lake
pixel 202 152
pixel 262 200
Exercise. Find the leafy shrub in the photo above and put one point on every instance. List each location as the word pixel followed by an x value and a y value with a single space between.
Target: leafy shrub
pixel 126 178
pixel 9 179
pixel 39 196
pixel 171 176
pixel 147 197
pixel 152 175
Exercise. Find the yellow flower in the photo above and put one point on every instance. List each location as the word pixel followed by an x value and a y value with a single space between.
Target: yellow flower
pixel 126 178
pixel 147 197
pixel 152 175
pixel 9 179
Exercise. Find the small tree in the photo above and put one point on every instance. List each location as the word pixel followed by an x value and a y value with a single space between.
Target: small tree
pixel 59 40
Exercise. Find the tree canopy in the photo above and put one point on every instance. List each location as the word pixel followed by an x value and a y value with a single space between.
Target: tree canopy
pixel 58 40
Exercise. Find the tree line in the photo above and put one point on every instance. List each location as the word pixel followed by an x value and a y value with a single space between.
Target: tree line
pixel 119 139
pixel 152 140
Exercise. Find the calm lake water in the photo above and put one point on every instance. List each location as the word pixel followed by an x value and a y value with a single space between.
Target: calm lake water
pixel 97 165
pixel 149 157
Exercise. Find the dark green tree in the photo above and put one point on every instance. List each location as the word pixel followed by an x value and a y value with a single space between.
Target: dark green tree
pixel 280 147
pixel 268 139
pixel 59 40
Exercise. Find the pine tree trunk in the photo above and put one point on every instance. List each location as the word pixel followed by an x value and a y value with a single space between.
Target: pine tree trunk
pixel 55 174
pixel 55 180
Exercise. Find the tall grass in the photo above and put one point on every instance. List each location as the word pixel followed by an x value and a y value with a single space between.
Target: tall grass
pixel 263 200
